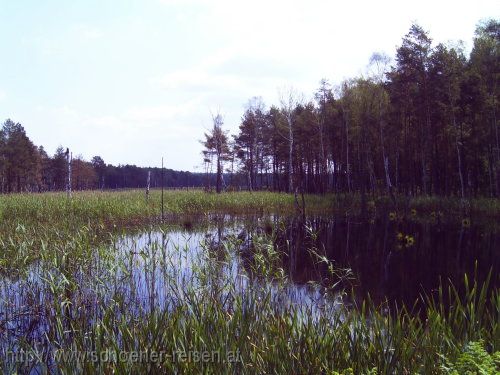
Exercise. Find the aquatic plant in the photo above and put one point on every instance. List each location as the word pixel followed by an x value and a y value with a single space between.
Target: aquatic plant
pixel 74 289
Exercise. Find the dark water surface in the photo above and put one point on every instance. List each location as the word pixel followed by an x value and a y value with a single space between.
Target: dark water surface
pixel 143 271
pixel 397 261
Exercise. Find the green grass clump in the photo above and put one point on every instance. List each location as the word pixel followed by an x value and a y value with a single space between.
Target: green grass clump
pixel 79 299
pixel 474 360
pixel 131 206
pixel 88 305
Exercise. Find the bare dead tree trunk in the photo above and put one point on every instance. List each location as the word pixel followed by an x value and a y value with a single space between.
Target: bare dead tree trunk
pixel 382 146
pixel 459 158
pixel 385 158
pixel 428 131
pixel 148 184
pixel 288 104
pixel 69 157
pixel 495 125
pixel 380 62
pixel 348 168
pixel 290 153
pixel 232 167
pixel 218 187
pixel 162 170
pixel 323 168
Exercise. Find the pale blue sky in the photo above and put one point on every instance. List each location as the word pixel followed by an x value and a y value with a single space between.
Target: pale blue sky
pixel 134 80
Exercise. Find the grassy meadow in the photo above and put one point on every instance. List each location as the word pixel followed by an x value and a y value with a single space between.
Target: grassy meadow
pixel 131 207
pixel 70 291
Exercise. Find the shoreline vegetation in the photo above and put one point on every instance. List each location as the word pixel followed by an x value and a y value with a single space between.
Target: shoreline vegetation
pixel 84 296
pixel 242 274
pixel 86 300
pixel 94 272
pixel 130 207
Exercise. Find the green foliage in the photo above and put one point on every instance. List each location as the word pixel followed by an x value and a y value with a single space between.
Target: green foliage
pixel 474 360
pixel 426 126
pixel 18 158
pixel 78 283
pixel 216 146
pixel 210 312
pixel 130 207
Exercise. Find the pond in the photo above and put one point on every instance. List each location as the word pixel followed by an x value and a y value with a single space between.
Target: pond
pixel 140 272
pixel 394 261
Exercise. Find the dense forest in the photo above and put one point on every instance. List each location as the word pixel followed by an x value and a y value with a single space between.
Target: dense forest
pixel 422 124
pixel 25 167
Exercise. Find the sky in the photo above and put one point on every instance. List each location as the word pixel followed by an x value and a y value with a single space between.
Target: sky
pixel 137 80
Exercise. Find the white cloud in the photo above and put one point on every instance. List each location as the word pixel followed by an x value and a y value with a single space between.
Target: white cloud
pixel 141 132
pixel 87 32
pixel 141 80
pixel 46 46
pixel 182 2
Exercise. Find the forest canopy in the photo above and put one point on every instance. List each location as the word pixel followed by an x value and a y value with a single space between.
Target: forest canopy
pixel 425 123
pixel 25 167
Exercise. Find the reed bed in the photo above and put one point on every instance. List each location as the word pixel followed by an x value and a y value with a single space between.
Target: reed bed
pixel 130 207
pixel 93 307
pixel 76 297
pixel 123 207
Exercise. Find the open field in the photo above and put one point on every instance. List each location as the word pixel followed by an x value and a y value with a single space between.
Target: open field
pixel 78 294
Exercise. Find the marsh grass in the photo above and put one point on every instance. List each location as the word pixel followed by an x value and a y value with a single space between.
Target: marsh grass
pixel 83 296
pixel 130 208
pixel 71 288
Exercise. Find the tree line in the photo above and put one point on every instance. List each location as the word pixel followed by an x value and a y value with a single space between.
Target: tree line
pixel 25 167
pixel 422 124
